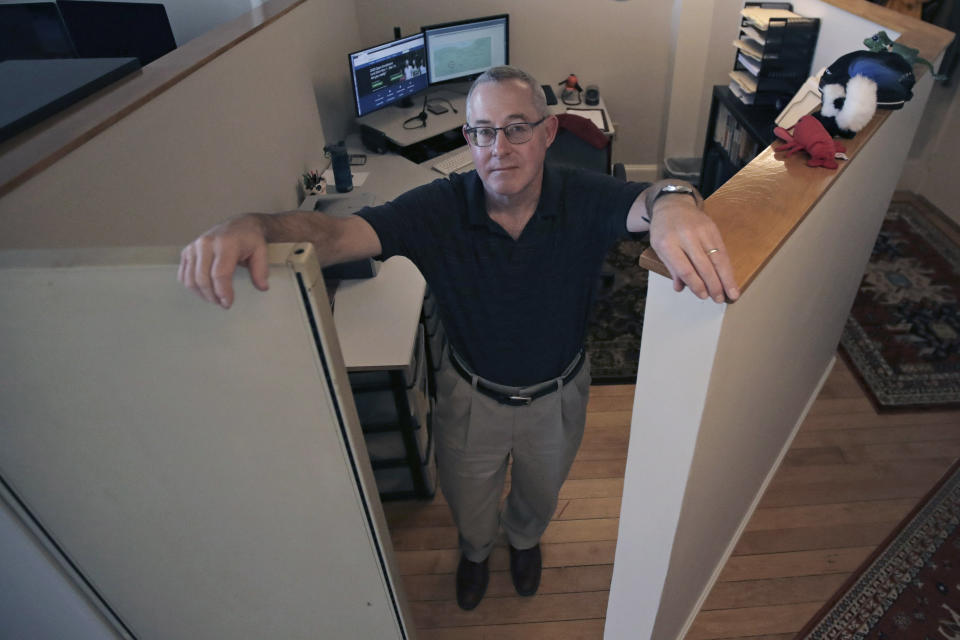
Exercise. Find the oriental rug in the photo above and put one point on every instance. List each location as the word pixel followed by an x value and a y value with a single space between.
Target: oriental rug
pixel 909 589
pixel 903 334
pixel 613 333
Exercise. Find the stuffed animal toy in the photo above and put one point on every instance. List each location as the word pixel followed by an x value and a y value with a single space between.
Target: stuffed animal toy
pixel 880 41
pixel 859 83
pixel 810 136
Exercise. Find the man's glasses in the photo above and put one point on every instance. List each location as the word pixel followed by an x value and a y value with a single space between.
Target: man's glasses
pixel 516 132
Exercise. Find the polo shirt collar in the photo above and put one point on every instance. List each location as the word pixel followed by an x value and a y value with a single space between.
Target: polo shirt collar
pixel 548 207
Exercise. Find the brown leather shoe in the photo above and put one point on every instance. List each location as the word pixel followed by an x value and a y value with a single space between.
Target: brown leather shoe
pixel 472 579
pixel 525 569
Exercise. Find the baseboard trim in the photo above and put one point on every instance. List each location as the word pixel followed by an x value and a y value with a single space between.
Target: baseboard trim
pixel 642 172
pixel 756 501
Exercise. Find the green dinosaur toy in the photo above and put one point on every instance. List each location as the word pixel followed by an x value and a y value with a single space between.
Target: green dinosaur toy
pixel 880 41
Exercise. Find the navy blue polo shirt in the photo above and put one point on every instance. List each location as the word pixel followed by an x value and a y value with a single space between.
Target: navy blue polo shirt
pixel 515 310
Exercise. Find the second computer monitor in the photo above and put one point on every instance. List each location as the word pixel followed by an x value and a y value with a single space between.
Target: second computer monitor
pixel 387 73
pixel 465 49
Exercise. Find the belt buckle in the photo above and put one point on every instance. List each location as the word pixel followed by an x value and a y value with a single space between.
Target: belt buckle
pixel 521 400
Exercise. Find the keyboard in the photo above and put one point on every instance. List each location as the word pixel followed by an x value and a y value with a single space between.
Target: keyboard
pixel 451 163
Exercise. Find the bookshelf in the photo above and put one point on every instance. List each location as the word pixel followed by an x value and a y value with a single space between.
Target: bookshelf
pixel 772 60
pixel 736 133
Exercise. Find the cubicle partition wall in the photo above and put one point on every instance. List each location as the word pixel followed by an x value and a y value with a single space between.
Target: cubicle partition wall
pixel 187 473
pixel 722 389
pixel 226 123
pixel 124 517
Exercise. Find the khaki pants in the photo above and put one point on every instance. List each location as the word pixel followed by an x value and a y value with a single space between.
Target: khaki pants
pixel 475 437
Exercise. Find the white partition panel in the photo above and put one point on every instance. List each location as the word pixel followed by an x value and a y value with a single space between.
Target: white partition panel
pixel 201 468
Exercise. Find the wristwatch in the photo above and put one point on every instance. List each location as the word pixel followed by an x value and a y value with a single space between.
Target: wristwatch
pixel 670 189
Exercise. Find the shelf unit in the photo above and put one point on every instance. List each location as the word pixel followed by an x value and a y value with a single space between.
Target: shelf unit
pixel 736 133
pixel 773 54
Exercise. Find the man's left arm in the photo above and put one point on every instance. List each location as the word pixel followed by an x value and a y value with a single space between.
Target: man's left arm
pixel 686 240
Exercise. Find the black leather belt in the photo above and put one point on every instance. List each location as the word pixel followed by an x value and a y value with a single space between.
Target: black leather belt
pixel 521 396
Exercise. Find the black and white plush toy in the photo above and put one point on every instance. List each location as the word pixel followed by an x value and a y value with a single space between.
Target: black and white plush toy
pixel 859 83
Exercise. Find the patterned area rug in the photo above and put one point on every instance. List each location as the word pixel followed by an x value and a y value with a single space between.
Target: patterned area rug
pixel 613 334
pixel 909 589
pixel 903 334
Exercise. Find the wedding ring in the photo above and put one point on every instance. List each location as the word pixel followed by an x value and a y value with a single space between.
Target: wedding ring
pixel 712 251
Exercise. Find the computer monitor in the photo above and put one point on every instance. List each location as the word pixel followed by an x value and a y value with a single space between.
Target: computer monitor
pixel 387 73
pixel 32 31
pixel 458 51
pixel 118 29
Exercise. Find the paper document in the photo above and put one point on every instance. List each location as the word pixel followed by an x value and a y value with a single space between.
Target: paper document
pixel 760 17
pixel 593 115
pixel 750 63
pixel 749 47
pixel 753 34
pixel 745 80
pixel 744 96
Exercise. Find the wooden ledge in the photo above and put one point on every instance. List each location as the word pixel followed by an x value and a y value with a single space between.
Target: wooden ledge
pixel 759 207
pixel 32 151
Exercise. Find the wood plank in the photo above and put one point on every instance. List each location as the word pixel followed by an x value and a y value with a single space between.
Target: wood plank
pixel 836 514
pixel 752 621
pixel 807 538
pixel 582 508
pixel 794 563
pixel 566 630
pixel 566 554
pixel 512 610
pixel 877 435
pixel 775 591
pixel 553 580
pixel 870 419
pixel 817 456
pixel 592 488
pixel 609 419
pixel 425 538
pixel 584 469
pixel 844 473
pixel 832 406
pixel 901 451
pixel 885 488
pixel 601 403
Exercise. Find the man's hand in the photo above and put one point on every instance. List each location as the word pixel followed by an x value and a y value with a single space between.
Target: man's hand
pixel 207 264
pixel 689 244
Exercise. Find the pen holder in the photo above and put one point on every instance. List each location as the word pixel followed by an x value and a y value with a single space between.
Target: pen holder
pixel 341 166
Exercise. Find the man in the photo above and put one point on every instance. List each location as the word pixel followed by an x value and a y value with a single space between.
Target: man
pixel 512 252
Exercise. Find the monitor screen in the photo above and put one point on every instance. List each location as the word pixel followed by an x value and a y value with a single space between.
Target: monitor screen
pixel 387 73
pixel 463 50
pixel 32 31
pixel 118 29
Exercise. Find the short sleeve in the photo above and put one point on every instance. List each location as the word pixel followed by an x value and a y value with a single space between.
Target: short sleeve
pixel 608 199
pixel 409 223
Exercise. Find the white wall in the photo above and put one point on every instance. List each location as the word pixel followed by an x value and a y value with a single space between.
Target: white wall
pixel 703 56
pixel 934 159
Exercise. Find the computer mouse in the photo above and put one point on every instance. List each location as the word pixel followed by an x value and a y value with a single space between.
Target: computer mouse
pixel 592 95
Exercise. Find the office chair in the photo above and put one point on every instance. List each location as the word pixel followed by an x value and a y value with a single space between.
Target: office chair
pixel 578 144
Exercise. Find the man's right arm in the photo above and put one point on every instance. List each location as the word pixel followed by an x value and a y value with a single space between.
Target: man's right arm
pixel 207 264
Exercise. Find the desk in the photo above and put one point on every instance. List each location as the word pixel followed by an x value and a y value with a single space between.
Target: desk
pixel 383 348
pixel 389 121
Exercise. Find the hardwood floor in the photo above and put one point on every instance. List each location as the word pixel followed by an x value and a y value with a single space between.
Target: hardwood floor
pixel 850 476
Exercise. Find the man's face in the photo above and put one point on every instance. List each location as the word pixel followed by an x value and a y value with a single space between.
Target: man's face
pixel 505 168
